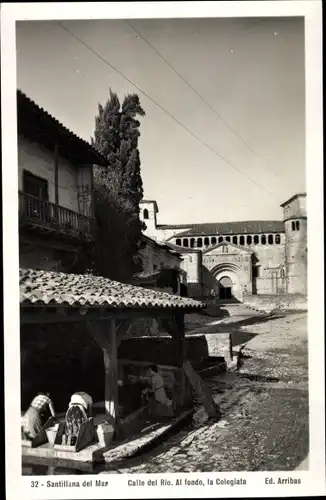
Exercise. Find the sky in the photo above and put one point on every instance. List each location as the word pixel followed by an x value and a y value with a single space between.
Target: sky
pixel 234 147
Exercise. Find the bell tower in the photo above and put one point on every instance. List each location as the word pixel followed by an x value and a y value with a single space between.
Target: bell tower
pixel 295 226
pixel 147 214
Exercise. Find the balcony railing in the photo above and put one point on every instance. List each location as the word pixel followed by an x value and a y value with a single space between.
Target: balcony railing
pixel 49 215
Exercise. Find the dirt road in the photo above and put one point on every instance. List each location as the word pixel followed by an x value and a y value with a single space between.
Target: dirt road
pixel 267 426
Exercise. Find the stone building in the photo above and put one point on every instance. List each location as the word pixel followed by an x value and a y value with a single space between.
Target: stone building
pixel 229 259
pixel 55 189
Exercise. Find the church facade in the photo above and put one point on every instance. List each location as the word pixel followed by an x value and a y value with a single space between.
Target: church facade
pixel 229 259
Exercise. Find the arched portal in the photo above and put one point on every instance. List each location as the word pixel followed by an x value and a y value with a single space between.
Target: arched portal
pixel 225 288
pixel 230 280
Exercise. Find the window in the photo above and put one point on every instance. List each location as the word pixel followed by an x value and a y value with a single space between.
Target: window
pixel 213 240
pixel 206 242
pixel 228 239
pixel 235 240
pixel 220 240
pixel 178 242
pixel 297 225
pixel 185 242
pixel 282 272
pixel 263 239
pixel 249 240
pixel 241 240
pixel 35 186
pixel 256 239
pixel 277 239
pixel 199 242
pixel 192 242
pixel 190 258
pixel 293 225
pixel 270 239
pixel 146 215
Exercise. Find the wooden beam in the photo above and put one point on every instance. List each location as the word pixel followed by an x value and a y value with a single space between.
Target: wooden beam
pixel 39 315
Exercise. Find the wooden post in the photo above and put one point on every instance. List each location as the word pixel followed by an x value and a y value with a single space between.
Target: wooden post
pixel 56 173
pixel 108 343
pixel 179 319
pixel 111 375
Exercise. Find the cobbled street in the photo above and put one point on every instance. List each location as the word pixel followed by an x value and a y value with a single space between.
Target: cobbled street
pixel 264 424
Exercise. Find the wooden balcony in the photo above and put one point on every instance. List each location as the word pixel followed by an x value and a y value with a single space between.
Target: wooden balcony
pixel 46 217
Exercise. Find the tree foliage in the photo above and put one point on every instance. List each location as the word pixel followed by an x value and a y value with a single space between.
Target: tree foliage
pixel 118 189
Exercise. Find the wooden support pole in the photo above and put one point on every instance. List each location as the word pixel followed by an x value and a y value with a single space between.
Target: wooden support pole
pixel 104 333
pixel 111 376
pixel 56 173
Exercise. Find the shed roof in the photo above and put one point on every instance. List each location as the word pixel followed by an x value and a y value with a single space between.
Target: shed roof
pixel 38 125
pixel 49 288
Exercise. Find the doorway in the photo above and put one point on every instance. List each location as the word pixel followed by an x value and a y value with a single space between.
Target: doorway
pixel 225 288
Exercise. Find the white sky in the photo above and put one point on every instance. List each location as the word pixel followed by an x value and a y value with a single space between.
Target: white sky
pixel 250 71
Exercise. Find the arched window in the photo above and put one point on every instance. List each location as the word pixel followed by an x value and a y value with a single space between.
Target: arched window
pixel 263 239
pixel 293 225
pixel 185 242
pixel 241 240
pixel 220 240
pixel 235 240
pixel 297 225
pixel 190 258
pixel 249 239
pixel 282 272
pixel 213 240
pixel 270 239
pixel 199 242
pixel 256 239
pixel 178 242
pixel 206 241
pixel 228 239
pixel 146 215
pixel 277 239
pixel 192 242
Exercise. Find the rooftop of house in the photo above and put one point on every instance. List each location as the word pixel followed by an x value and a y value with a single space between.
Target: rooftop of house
pixel 36 124
pixel 294 197
pixel 49 288
pixel 238 227
pixel 171 249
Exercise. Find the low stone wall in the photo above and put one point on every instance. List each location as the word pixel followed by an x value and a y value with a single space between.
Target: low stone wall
pixel 269 303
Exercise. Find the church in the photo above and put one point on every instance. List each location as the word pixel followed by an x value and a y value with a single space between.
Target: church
pixel 227 260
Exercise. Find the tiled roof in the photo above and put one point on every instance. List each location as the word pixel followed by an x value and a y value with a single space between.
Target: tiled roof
pixel 146 276
pixel 49 288
pixel 34 119
pixel 239 227
pixel 174 226
pixel 171 249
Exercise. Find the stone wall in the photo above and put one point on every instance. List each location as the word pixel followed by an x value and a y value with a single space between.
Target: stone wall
pixel 268 303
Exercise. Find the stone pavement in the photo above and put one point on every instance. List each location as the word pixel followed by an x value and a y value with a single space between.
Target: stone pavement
pixel 264 422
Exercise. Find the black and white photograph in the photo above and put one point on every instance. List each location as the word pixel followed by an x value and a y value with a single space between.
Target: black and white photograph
pixel 161 178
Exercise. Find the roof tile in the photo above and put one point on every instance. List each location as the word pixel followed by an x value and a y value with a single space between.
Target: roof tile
pixel 38 287
pixel 238 227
